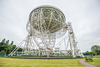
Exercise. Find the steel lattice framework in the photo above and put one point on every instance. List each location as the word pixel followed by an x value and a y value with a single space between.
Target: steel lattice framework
pixel 46 24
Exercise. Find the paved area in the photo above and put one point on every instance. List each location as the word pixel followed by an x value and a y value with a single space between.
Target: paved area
pixel 86 64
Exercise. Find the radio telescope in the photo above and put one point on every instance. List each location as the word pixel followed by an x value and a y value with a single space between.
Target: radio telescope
pixel 45 25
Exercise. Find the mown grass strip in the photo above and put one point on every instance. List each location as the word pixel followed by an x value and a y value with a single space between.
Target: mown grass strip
pixel 15 62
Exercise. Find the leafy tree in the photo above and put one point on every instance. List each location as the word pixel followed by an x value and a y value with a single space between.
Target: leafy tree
pixel 93 53
pixel 96 48
pixel 12 43
pixel 7 42
pixel 1 47
pixel 7 48
pixel 2 42
pixel 20 49
pixel 86 53
pixel 2 52
pixel 13 47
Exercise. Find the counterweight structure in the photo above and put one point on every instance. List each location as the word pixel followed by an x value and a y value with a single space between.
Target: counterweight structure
pixel 47 24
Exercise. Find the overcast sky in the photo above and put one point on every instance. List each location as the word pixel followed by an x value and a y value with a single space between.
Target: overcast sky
pixel 84 15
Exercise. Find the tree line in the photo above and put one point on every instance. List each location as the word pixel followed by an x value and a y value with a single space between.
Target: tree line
pixel 6 47
pixel 95 50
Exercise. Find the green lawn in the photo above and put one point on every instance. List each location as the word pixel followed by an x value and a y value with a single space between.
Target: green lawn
pixel 96 61
pixel 12 62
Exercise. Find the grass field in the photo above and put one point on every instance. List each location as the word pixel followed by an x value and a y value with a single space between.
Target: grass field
pixel 96 61
pixel 12 62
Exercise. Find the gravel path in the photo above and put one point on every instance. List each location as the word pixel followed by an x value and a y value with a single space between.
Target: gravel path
pixel 86 64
